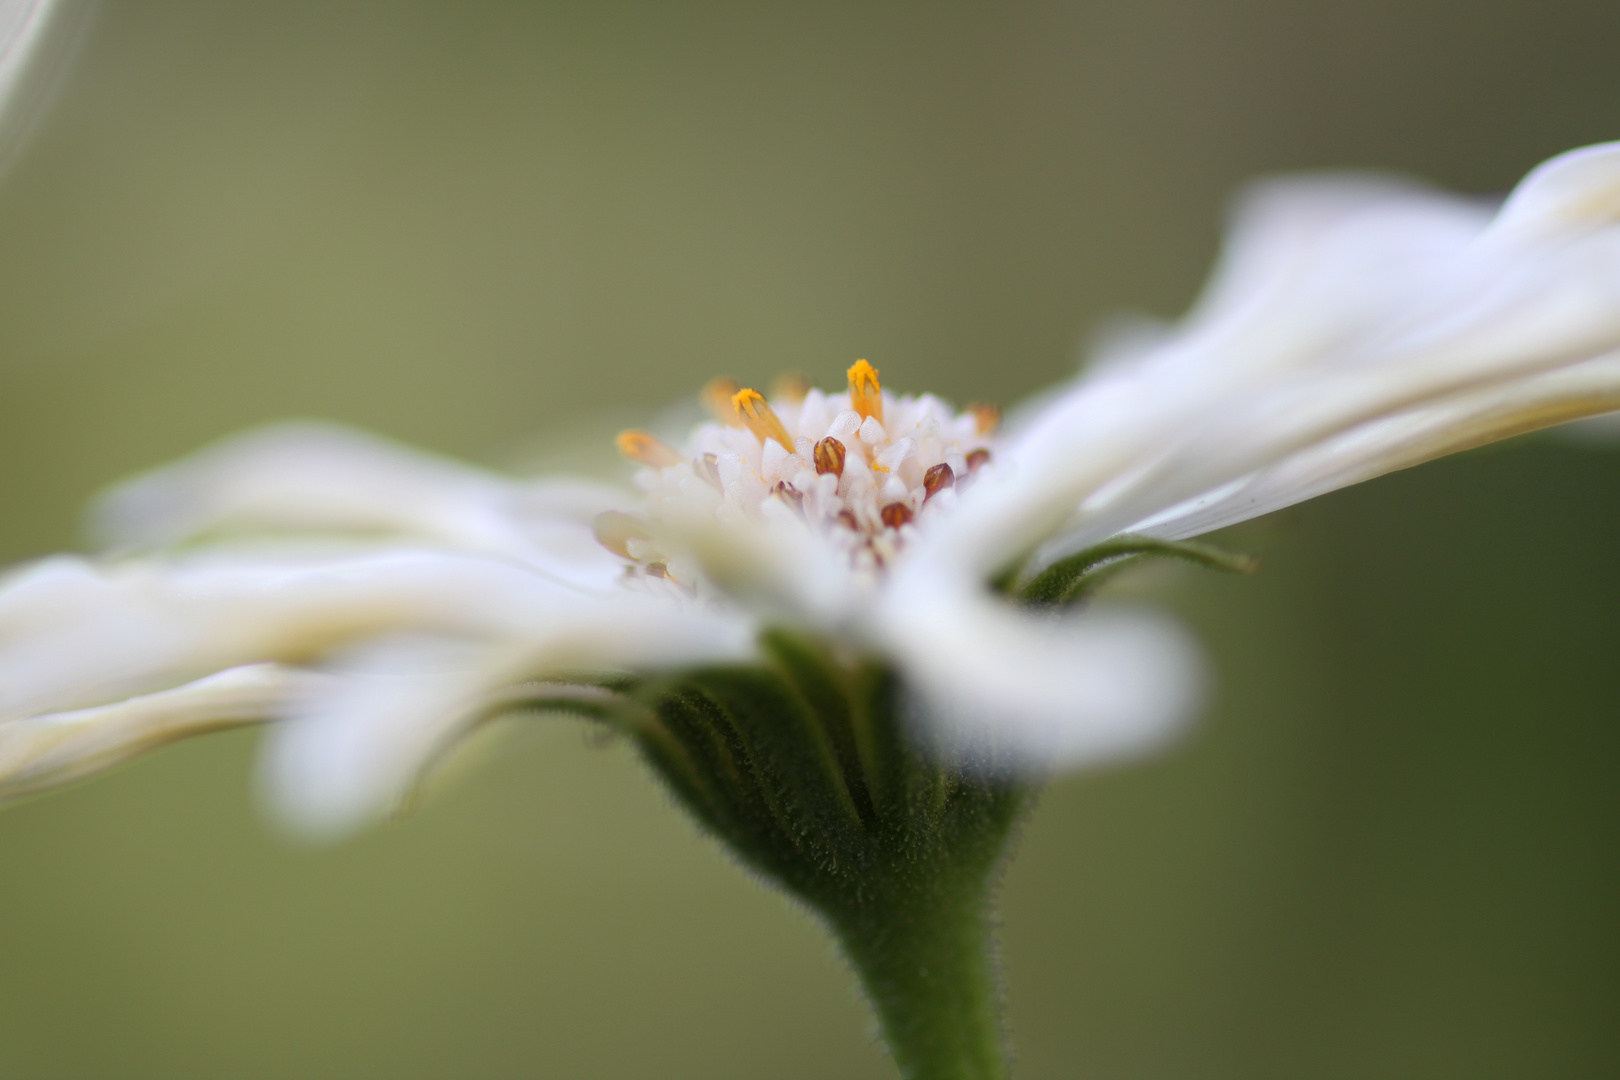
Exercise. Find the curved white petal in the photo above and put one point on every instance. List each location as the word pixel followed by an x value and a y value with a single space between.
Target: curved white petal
pixel 1572 191
pixel 999 687
pixel 776 566
pixel 356 751
pixel 74 633
pixel 40 752
pixel 310 477
pixel 1336 308
pixel 1398 442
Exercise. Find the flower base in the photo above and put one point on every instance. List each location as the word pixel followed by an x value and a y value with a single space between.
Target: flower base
pixel 802 768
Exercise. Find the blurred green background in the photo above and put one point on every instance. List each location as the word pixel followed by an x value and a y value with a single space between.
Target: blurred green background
pixel 1390 851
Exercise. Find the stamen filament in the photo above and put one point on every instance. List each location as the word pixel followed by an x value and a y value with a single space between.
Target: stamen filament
pixel 758 416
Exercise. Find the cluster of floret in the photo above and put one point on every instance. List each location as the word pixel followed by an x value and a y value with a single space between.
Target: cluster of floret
pixel 864 468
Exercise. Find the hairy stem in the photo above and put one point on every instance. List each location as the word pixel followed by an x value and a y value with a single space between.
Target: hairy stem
pixel 931 979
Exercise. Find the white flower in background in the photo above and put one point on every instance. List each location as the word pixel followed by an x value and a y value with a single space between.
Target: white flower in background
pixel 379 601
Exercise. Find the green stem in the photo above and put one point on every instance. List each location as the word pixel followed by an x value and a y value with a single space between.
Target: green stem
pixel 931 977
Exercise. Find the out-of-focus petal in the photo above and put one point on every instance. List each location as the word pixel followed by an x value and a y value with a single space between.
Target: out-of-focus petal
pixel 776 566
pixel 1336 308
pixel 326 479
pixel 1570 192
pixel 356 751
pixel 73 633
pixel 1398 442
pixel 999 687
pixel 40 752
pixel 25 26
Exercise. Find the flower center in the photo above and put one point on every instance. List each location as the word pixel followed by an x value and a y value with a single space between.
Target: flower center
pixel 862 468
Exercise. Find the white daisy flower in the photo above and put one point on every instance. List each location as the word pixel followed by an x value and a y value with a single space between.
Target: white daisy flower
pixel 380 601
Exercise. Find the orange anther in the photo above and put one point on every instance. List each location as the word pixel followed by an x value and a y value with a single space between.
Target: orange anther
pixel 639 446
pixel 865 392
pixel 758 416
pixel 791 386
pixel 986 417
pixel 717 397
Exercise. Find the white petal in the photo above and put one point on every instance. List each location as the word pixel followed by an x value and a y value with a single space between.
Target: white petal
pixel 774 566
pixel 73 633
pixel 322 478
pixel 1002 687
pixel 44 751
pixel 1336 307
pixel 1572 191
pixel 1398 442
pixel 355 752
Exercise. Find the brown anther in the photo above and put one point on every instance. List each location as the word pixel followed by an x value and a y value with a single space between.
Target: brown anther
pixel 937 479
pixel 896 514
pixel 865 392
pixel 976 460
pixel 708 467
pixel 639 446
pixel 790 495
pixel 829 455
pixel 615 530
pixel 791 386
pixel 986 417
pixel 657 570
pixel 717 397
pixel 758 416
pixel 846 518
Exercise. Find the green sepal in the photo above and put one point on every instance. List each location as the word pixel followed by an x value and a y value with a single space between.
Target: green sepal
pixel 1072 579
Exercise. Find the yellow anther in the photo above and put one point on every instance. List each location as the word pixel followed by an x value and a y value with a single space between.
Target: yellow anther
pixel 865 393
pixel 717 397
pixel 640 446
pixel 757 415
